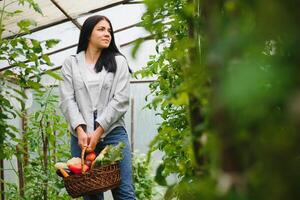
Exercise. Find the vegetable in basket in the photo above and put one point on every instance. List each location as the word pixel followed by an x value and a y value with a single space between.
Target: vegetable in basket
pixel 77 168
pixel 75 165
pixel 109 155
pixel 91 156
pixel 61 169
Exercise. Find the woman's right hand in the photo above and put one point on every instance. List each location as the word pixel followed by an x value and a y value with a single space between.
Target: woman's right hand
pixel 82 137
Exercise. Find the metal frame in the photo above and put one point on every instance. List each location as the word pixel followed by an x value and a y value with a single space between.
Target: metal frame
pixel 74 21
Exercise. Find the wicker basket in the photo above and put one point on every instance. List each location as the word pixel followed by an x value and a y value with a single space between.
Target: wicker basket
pixel 94 181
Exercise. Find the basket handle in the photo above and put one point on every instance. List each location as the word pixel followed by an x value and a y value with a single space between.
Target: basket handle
pixel 82 159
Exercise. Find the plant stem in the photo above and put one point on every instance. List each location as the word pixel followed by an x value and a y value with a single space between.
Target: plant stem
pixel 196 116
pixel 20 172
pixel 1 19
pixel 45 142
pixel 45 157
pixel 25 142
pixel 2 178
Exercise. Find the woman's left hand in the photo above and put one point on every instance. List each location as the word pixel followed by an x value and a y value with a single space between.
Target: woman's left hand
pixel 94 137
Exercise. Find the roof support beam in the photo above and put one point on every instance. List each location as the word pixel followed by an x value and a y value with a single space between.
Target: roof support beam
pixel 134 2
pixel 74 21
pixel 39 28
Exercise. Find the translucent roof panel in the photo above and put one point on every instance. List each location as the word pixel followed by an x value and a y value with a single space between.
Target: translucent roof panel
pixel 58 58
pixel 54 11
pixel 76 8
pixel 121 15
pixel 134 33
pixel 67 34
pixel 50 15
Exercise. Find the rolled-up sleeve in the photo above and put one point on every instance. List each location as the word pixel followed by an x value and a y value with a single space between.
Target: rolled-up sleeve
pixel 67 102
pixel 119 103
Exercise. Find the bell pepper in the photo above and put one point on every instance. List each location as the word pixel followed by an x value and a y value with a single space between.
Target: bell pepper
pixel 77 168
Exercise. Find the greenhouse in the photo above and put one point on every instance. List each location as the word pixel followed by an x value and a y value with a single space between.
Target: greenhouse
pixel 205 105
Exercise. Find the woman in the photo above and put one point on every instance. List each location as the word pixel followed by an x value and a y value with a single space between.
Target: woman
pixel 95 96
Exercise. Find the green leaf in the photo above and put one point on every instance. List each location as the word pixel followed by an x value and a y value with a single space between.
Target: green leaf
pixel 36 7
pixel 14 42
pixel 8 73
pixel 51 43
pixel 47 59
pixel 20 92
pixel 34 85
pixel 37 48
pixel 25 24
pixel 182 99
pixel 18 11
pixel 36 116
pixel 53 74
pixel 137 44
pixel 159 178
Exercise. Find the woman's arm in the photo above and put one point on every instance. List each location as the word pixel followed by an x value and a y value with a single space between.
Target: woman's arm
pixel 119 103
pixel 68 104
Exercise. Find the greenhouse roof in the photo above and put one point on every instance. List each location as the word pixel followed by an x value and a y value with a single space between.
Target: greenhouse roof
pixel 56 12
pixel 62 20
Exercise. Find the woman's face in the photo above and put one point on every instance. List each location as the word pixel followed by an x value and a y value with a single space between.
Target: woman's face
pixel 101 35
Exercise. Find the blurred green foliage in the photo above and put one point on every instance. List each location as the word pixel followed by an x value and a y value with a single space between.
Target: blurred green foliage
pixel 143 180
pixel 227 88
pixel 163 19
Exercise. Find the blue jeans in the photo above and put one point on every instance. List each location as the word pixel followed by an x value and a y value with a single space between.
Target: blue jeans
pixel 126 189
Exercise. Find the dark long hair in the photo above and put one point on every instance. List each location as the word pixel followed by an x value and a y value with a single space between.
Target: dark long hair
pixel 107 57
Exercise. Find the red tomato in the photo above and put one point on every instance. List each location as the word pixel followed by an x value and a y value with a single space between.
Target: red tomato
pixel 91 156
